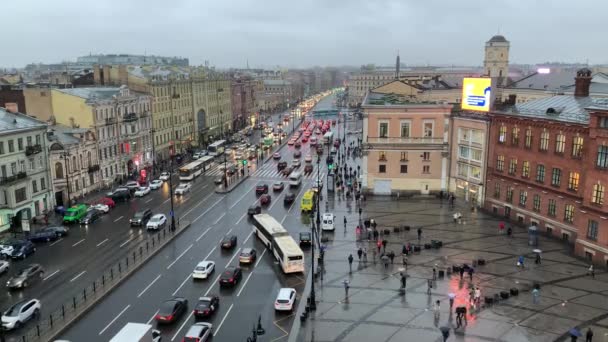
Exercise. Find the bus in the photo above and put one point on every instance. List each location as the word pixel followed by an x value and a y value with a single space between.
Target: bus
pixel 217 148
pixel 266 228
pixel 289 255
pixel 328 138
pixel 191 170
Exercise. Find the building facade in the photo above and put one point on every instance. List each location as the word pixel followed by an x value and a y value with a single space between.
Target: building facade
pixel 277 95
pixel 12 96
pixel 25 187
pixel 246 94
pixel 496 59
pixel 405 146
pixel 74 163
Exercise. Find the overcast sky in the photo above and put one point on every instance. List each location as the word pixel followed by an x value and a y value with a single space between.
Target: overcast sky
pixel 304 32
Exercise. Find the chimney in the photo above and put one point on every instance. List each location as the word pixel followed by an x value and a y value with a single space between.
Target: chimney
pixel 11 107
pixel 582 82
pixel 512 99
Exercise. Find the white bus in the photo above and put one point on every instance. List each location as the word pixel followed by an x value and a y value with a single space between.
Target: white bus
pixel 217 148
pixel 191 170
pixel 266 228
pixel 328 138
pixel 288 254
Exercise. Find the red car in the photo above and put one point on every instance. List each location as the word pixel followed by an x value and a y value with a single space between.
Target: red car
pixel 265 199
pixel 298 145
pixel 107 201
pixel 304 139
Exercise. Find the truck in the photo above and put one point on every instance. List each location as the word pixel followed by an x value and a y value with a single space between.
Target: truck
pixel 137 332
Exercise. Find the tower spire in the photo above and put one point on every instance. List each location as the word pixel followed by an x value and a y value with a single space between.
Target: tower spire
pixel 397 66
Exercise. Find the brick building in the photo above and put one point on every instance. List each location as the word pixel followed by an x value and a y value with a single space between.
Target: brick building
pixel 548 166
pixel 245 95
pixel 12 97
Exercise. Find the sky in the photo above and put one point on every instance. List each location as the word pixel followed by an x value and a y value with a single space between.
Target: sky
pixel 304 33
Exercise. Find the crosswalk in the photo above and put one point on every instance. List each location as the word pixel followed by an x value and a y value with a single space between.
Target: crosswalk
pixel 272 172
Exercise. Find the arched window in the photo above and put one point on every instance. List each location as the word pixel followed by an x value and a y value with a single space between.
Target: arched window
pixel 58 170
pixel 74 164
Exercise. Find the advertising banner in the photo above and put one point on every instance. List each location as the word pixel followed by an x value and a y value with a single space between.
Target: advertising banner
pixel 477 94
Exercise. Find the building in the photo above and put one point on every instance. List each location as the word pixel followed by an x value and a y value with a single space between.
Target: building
pixel 547 167
pixel 25 187
pixel 277 95
pixel 126 59
pixel 38 102
pixel 496 59
pixel 246 96
pixel 405 145
pixel 11 97
pixel 74 163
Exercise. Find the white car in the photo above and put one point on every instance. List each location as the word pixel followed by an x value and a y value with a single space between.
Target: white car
pixel 183 188
pixel 132 185
pixel 156 222
pixel 203 269
pixel 156 184
pixel 295 163
pixel 4 265
pixel 164 176
pixel 285 299
pixel 328 222
pixel 142 191
pixel 20 313
pixel 101 207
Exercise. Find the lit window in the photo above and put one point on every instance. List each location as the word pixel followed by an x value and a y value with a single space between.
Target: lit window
pixel 544 141
pixel 597 196
pixel 560 143
pixel 573 181
pixel 500 163
pixel 523 197
pixel 502 134
pixel 569 213
pixel 515 136
pixel 512 166
pixel 525 169
pixel 382 155
pixel 577 147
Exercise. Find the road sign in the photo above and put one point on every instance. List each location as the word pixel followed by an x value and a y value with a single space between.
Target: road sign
pixel 171 213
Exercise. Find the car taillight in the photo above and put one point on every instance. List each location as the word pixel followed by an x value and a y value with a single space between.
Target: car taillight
pixel 169 318
pixel 231 280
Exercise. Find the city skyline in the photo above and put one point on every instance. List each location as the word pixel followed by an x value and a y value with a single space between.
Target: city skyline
pixel 348 33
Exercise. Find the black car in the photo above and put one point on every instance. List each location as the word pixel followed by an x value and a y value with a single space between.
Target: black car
pixel 91 216
pixel 231 276
pixel 206 306
pixel 289 198
pixel 121 194
pixel 281 165
pixel 305 238
pixel 60 231
pixel 228 242
pixel 261 189
pixel 254 209
pixel 141 217
pixel 43 235
pixel 297 154
pixel 171 310
pixel 22 250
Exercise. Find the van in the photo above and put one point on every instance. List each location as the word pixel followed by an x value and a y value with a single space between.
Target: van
pixel 308 201
pixel 328 222
pixel 75 213
pixel 295 179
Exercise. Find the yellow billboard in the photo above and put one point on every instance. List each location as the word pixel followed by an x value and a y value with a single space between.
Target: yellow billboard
pixel 476 94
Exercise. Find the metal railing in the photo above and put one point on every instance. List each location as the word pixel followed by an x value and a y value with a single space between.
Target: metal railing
pixel 13 179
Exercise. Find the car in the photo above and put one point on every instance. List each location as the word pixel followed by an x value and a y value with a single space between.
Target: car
pixel 254 210
pixel 305 238
pixel 18 314
pixel 171 310
pixel 218 180
pixel 100 207
pixel 141 217
pixel 308 168
pixel 26 276
pixel 43 235
pixel 328 222
pixel 231 276
pixel 203 269
pixel 156 222
pixel 23 250
pixel 285 299
pixel 183 188
pixel 164 176
pixel 278 186
pixel 121 194
pixel 248 256
pixel 91 216
pixel 289 198
pixel 75 213
pixel 132 185
pixel 319 150
pixel 287 171
pixel 228 241
pixel 4 266
pixel 297 144
pixel 308 158
pixel 156 184
pixel 142 191
pixel 206 306
pixel 107 201
pixel 7 245
pixel 290 142
pixel 60 231
pixel 276 156
pixel 296 163
pixel 199 332
pixel 329 160
pixel 281 165
pixel 261 189
pixel 297 154
pixel 265 199
pixel 304 139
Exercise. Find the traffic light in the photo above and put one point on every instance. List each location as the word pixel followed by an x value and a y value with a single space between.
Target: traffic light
pixel 330 166
pixel 244 161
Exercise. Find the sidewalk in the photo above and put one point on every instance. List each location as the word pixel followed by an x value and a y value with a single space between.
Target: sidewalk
pixel 376 311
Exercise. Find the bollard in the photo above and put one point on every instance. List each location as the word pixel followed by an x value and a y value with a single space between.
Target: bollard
pixel 23 338
pixel 133 256
pixel 152 242
pixel 127 261
pixel 37 330
pixel 146 246
pixel 62 310
pixel 119 270
pixel 112 272
pixel 103 279
pixel 84 294
pixel 164 233
pixel 94 286
pixel 74 302
pixel 141 251
pixel 51 320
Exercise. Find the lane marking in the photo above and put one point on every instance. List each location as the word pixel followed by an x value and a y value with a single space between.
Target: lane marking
pixel 242 217
pixel 149 285
pixel 284 217
pixel 167 200
pixel 206 211
pixel 78 243
pixel 205 232
pixel 50 275
pixel 179 257
pixel 150 200
pixel 152 318
pixel 240 198
pixel 244 284
pixel 115 318
pixel 219 218
pixel 183 324
pixel 295 200
pixel 223 319
pixel 207 257
pixel 232 259
pixel 56 242
pixel 185 280
pixel 78 276
pixel 213 284
pixel 199 203
pixel 102 242
pixel 229 231
pixel 260 258
pixel 118 219
pixel 275 202
pixel 126 242
pixel 248 236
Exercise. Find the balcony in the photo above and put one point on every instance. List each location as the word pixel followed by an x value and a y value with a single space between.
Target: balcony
pixel 33 149
pixel 110 121
pixel 6 181
pixel 130 117
pixel 397 143
pixel 93 168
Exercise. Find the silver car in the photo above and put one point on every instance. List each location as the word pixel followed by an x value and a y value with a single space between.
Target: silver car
pixel 25 277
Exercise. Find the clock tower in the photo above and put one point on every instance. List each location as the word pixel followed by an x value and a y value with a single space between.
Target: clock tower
pixel 496 60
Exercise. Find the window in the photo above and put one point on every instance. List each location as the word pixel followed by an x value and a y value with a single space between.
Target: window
pixel 551 207
pixel 463 152
pixel 20 144
pixel 405 129
pixel 475 172
pixel 573 181
pixel 496 190
pixel 544 141
pixel 603 122
pixel 20 195
pixel 560 143
pixel 500 163
pixel 34 186
pixel 475 154
pixel 428 129
pixel 426 156
pixel 512 166
pixel 592 228
pixel 382 155
pixel 528 142
pixel 37 139
pixel 11 146
pixel 502 134
pixel 597 196
pixel 569 213
pixel 556 177
pixel 509 194
pixel 536 203
pixel 540 173
pixel 426 169
pixel 42 184
pixel 523 198
pixel 403 168
pixel 525 169
pixel 29 141
pixel 577 147
pixel 463 170
pixel 602 156
pixel 1 147
pixel 382 168
pixel 515 136
pixel 383 129
pixel 403 156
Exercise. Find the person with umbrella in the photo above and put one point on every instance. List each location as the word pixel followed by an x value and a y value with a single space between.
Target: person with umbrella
pixel 451 296
pixel 574 334
pixel 385 260
pixel 445 333
pixel 350 263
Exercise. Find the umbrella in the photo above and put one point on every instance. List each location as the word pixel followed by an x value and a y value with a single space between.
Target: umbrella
pixel 537 251
pixel 445 330
pixel 452 295
pixel 575 332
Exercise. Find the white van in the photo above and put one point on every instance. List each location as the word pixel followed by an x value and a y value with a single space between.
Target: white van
pixel 295 179
pixel 328 222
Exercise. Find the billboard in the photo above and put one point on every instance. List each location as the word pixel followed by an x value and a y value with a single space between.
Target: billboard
pixel 477 94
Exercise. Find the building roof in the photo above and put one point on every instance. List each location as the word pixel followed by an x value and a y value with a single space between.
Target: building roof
pixel 559 82
pixel 65 135
pixel 381 99
pixel 15 122
pixel 564 108
pixel 276 82
pixel 93 93
pixel 498 39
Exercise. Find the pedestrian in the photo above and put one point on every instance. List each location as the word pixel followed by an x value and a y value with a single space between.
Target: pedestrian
pixel 509 231
pixel 350 263
pixel 385 260
pixel 346 287
pixel 375 235
pixel 403 281
pixel 451 297
pixel 391 255
pixel 501 227
pixel 537 259
pixel 365 254
pixel 591 271
pixel 360 212
pixel 436 311
pixel 429 286
pixel 379 245
pixel 589 335
pixel 520 261
pixel 345 222
pixel 445 332
pixel 419 234
pixel 384 243
pixel 478 296
pixel 374 223
pixel 405 262
pixel 404 250
pixel 360 253
pixel 470 271
pixel 535 295
pixel 434 273
pixel 461 270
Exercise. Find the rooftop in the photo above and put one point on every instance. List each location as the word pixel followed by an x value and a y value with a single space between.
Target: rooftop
pixel 498 39
pixel 94 93
pixel 564 108
pixel 380 99
pixel 559 81
pixel 66 135
pixel 10 122
pixel 276 82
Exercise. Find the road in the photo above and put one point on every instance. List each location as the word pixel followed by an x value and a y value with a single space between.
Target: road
pixel 169 272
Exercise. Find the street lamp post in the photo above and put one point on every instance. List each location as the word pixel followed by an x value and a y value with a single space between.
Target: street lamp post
pixel 66 156
pixel 171 195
